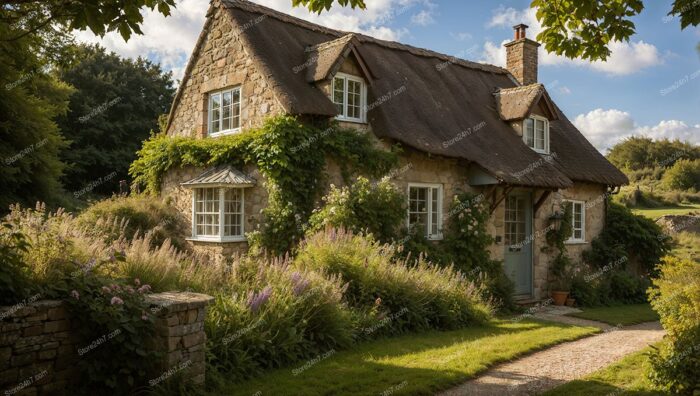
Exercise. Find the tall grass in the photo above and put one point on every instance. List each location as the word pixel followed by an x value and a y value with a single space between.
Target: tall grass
pixel 415 295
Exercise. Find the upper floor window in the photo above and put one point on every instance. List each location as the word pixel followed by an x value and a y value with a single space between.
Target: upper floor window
pixel 349 94
pixel 578 221
pixel 536 133
pixel 425 209
pixel 225 111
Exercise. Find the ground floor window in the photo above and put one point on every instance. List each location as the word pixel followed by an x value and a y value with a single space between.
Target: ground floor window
pixel 217 213
pixel 578 221
pixel 425 209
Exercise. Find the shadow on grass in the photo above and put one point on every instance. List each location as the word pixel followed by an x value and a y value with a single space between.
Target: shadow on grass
pixel 595 388
pixel 418 364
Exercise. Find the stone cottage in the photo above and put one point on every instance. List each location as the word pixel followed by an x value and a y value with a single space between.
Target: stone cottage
pixel 464 126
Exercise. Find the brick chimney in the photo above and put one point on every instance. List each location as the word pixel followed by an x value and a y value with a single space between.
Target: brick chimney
pixel 521 56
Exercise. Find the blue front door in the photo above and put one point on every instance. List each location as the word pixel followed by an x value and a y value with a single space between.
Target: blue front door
pixel 518 242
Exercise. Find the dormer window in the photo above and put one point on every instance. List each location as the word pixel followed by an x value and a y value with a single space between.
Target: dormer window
pixel 536 133
pixel 349 95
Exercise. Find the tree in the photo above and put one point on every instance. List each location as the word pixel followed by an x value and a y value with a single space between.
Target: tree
pixel 574 28
pixel 684 175
pixel 115 105
pixel 636 153
pixel 30 141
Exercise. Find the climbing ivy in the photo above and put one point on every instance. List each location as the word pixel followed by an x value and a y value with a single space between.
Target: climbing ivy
pixel 290 154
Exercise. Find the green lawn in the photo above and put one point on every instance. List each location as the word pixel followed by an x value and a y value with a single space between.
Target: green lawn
pixel 619 314
pixel 655 213
pixel 415 364
pixel 626 377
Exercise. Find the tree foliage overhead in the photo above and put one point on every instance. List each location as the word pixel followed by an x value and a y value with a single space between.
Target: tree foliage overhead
pixel 573 28
pixel 34 17
pixel 116 103
pixel 637 153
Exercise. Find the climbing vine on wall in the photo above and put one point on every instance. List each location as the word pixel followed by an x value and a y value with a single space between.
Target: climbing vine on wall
pixel 290 154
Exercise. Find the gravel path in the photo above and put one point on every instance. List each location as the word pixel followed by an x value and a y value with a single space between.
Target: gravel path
pixel 547 369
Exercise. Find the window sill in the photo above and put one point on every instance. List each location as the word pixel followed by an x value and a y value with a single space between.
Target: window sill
pixel 224 133
pixel 352 120
pixel 217 239
pixel 576 242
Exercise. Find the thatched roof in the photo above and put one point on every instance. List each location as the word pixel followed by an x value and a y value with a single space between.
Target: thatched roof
pixel 426 100
pixel 517 103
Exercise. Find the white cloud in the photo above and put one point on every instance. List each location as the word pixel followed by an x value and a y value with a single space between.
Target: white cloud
pixel 461 36
pixel 423 18
pixel 171 40
pixel 565 90
pixel 605 128
pixel 626 58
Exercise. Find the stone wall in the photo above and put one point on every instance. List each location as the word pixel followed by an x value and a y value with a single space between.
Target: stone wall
pixel 222 62
pixel 39 347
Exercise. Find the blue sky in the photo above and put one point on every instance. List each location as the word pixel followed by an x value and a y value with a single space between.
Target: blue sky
pixel 650 86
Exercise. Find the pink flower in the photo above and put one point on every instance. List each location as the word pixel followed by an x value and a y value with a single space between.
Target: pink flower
pixel 105 289
pixel 75 294
pixel 137 282
pixel 144 289
pixel 130 289
pixel 117 301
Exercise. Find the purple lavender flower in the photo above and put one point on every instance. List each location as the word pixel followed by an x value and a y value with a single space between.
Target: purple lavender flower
pixel 299 283
pixel 256 300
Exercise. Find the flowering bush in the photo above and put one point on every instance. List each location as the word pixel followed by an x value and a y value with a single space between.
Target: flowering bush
pixel 378 209
pixel 268 314
pixel 113 316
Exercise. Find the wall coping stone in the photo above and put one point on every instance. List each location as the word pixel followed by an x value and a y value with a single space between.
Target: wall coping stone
pixel 178 301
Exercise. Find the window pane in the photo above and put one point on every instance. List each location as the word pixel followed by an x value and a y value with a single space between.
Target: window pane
pixel 529 132
pixel 339 95
pixel 418 209
pixel 539 135
pixel 233 211
pixel 435 214
pixel 236 108
pixel 226 111
pixel 215 113
pixel 206 214
pixel 354 98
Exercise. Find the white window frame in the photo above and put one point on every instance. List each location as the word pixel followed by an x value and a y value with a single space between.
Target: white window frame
pixel 221 113
pixel 363 97
pixel 534 119
pixel 572 239
pixel 222 217
pixel 430 186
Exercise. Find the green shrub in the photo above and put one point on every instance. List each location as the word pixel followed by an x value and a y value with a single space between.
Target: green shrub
pixel 683 175
pixel 676 297
pixel 130 216
pixel 415 296
pixel 379 209
pixel 636 238
pixel 269 314
pixel 14 274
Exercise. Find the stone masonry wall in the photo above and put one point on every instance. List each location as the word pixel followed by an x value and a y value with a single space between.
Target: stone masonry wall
pixel 223 62
pixel 39 348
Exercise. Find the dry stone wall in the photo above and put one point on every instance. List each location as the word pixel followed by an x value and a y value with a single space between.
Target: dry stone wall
pixel 39 348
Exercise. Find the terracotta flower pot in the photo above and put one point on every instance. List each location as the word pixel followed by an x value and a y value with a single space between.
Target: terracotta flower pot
pixel 559 297
pixel 570 302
